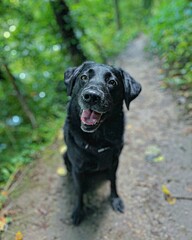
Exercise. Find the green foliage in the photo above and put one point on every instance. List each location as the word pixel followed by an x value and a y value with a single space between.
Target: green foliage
pixel 171 32
pixel 96 27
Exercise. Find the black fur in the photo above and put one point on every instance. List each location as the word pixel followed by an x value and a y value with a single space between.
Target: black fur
pixel 95 148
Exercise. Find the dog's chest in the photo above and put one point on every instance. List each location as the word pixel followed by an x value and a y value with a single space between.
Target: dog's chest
pixel 98 158
pixel 93 157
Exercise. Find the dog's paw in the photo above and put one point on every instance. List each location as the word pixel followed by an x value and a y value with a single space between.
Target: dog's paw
pixel 117 204
pixel 77 216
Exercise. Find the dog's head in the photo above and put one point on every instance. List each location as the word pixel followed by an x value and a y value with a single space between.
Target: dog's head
pixel 100 89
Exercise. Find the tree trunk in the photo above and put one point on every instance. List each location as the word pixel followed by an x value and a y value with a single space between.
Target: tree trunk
pixel 117 14
pixel 20 97
pixel 2 77
pixel 147 4
pixel 65 22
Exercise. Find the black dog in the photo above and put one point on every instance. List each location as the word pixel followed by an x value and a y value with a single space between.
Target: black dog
pixel 94 126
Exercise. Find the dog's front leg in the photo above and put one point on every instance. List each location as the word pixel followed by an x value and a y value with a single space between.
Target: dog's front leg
pixel 78 213
pixel 116 201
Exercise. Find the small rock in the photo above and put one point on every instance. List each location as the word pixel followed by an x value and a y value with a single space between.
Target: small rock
pixel 181 100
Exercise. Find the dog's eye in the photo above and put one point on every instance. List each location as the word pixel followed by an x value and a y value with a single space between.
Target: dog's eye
pixel 84 77
pixel 112 82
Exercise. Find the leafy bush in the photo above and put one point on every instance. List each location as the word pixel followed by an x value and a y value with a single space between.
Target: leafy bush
pixel 171 33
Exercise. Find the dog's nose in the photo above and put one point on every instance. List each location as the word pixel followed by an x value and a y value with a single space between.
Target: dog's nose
pixel 90 96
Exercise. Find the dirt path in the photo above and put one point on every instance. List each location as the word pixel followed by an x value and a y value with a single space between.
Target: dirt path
pixel 41 201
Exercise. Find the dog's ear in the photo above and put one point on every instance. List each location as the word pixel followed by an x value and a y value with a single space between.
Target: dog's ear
pixel 69 79
pixel 71 74
pixel 131 88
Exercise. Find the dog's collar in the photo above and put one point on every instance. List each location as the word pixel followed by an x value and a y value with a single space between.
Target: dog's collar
pixel 99 150
pixel 91 148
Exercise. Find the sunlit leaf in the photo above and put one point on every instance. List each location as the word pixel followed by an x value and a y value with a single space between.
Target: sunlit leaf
pixel 165 190
pixel 3 223
pixel 19 236
pixel 159 159
pixel 167 195
pixel 62 171
pixel 63 149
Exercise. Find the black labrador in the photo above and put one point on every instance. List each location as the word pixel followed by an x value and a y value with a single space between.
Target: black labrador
pixel 94 125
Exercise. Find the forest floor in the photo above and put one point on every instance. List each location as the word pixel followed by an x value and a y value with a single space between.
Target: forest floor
pixel 157 151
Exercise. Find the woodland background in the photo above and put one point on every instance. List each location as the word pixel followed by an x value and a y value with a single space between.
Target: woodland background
pixel 40 39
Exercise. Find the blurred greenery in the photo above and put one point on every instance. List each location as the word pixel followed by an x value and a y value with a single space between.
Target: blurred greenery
pixel 96 26
pixel 36 47
pixel 171 34
pixel 32 47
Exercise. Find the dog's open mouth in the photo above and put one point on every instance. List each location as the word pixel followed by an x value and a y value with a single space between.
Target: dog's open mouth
pixel 90 120
pixel 90 117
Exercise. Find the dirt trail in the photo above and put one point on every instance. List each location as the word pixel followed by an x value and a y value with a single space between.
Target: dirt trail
pixel 44 201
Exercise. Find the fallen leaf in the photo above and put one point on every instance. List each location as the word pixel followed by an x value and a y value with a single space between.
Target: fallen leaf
pixel 129 126
pixel 168 196
pixel 19 236
pixel 4 193
pixel 153 154
pixel 165 190
pixel 3 223
pixel 8 220
pixel 63 149
pixel 153 149
pixel 159 159
pixel 170 199
pixel 161 70
pixel 62 171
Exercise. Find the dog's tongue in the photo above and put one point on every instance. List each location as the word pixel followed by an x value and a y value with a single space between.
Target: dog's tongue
pixel 90 117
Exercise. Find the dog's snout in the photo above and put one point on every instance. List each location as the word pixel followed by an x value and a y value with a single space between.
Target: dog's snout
pixel 91 97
